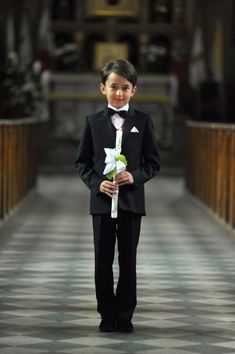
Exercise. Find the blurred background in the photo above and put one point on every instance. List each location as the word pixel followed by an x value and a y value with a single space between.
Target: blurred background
pixel 51 53
pixel 184 51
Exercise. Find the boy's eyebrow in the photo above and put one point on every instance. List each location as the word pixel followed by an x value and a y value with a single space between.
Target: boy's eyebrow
pixel 115 84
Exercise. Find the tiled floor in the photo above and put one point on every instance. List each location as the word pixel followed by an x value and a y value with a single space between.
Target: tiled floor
pixel 186 276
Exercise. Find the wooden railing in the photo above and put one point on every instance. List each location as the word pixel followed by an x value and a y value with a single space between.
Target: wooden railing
pixel 18 166
pixel 210 168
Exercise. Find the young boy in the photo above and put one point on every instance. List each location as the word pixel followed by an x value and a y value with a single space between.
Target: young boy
pixel 119 80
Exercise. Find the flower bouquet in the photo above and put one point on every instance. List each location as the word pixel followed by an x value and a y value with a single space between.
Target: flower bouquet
pixel 115 163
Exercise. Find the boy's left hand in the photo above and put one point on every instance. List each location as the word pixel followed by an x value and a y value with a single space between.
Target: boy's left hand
pixel 124 178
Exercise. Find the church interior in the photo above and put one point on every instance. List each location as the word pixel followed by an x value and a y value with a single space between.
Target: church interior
pixel 52 52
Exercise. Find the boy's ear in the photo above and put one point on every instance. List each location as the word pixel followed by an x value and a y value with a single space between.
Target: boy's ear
pixel 134 89
pixel 102 89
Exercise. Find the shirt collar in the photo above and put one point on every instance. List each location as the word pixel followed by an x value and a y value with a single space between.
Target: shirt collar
pixel 124 108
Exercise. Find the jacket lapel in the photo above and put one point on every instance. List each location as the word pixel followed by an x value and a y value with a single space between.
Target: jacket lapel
pixel 107 128
pixel 129 123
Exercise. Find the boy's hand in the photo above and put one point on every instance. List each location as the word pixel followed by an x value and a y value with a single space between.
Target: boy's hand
pixel 109 188
pixel 124 178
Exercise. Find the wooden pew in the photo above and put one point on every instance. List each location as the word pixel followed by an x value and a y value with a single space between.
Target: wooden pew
pixel 210 167
pixel 231 217
pixel 18 161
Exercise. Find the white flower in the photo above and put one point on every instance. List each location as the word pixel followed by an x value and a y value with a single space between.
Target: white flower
pixel 115 162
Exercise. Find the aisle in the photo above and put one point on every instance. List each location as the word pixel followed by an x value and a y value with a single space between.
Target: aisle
pixel 186 276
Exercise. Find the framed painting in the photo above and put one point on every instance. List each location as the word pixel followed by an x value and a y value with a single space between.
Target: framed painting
pixel 106 51
pixel 112 8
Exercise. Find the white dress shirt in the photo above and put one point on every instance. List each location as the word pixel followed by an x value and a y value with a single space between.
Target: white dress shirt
pixel 116 119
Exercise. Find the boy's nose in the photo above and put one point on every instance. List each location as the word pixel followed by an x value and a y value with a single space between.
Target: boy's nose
pixel 119 92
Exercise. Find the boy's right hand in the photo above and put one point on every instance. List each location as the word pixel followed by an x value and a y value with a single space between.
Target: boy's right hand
pixel 109 188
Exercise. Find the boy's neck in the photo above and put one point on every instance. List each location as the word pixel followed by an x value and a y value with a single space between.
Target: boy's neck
pixel 123 108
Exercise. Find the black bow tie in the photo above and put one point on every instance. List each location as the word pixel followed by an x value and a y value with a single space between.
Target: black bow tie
pixel 111 112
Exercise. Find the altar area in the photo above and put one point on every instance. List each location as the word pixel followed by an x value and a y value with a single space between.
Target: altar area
pixel 72 97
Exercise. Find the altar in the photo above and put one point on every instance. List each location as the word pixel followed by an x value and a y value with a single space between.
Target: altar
pixel 72 97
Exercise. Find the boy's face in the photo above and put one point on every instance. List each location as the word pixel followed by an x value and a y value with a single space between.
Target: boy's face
pixel 118 90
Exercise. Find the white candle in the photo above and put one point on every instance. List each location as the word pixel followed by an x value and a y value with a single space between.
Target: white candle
pixel 114 206
pixel 118 138
pixel 118 146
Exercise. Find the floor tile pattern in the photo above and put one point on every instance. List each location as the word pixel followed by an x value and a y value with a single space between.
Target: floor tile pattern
pixel 186 276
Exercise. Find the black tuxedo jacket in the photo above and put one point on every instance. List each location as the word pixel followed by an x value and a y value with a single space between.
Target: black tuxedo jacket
pixel 140 149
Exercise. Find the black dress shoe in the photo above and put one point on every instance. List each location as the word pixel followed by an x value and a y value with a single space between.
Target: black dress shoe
pixel 124 326
pixel 107 326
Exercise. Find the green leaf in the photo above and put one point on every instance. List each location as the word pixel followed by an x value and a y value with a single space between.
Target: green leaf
pixel 121 158
pixel 111 174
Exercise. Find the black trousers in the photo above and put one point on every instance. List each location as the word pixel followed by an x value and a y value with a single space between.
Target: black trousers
pixel 126 230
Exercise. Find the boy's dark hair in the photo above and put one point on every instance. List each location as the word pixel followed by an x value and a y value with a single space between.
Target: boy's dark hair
pixel 121 67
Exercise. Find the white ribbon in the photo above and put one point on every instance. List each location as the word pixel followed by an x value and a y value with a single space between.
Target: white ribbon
pixel 111 162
